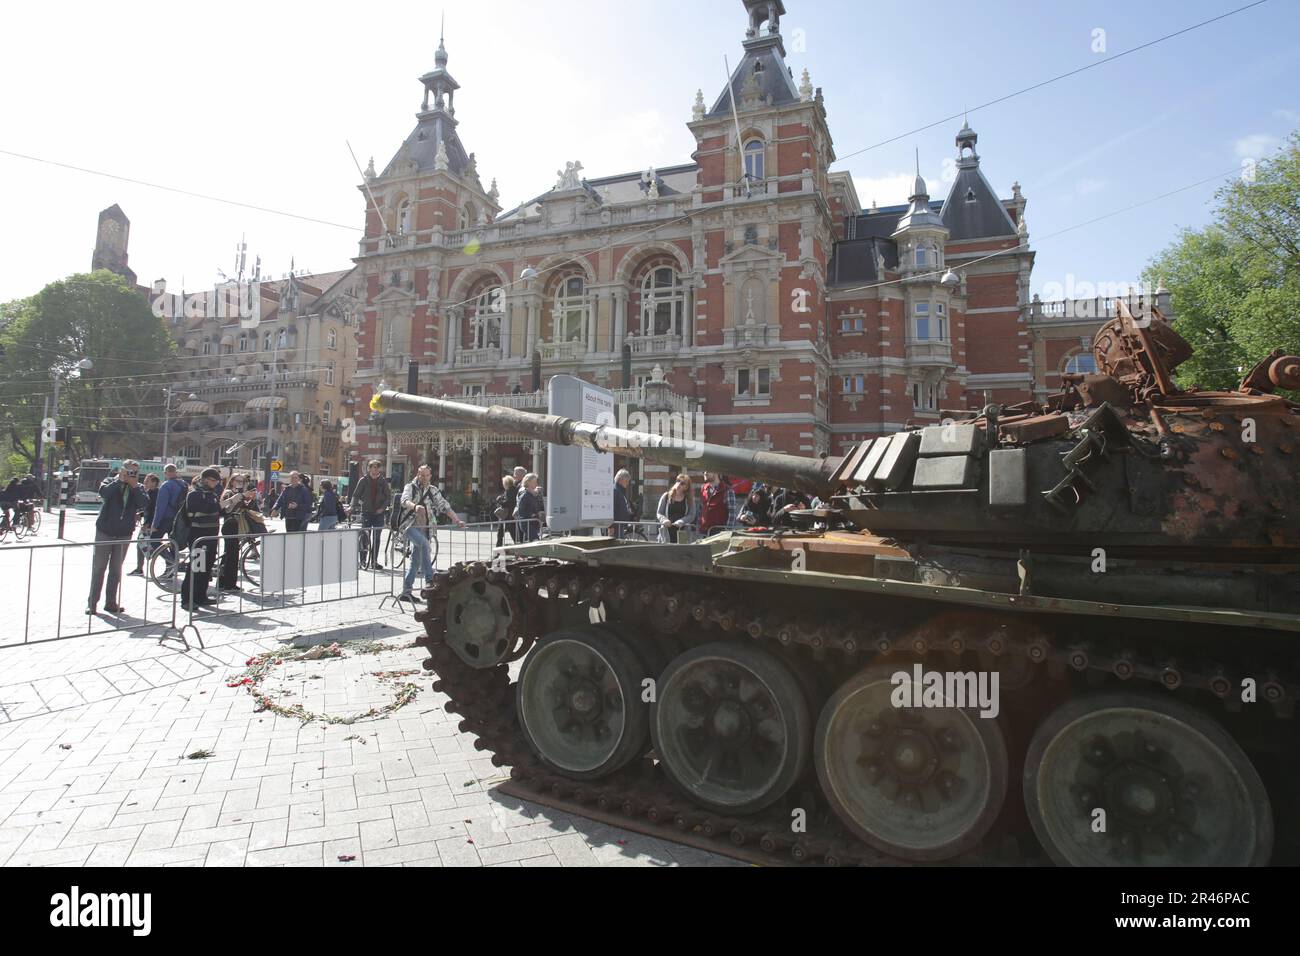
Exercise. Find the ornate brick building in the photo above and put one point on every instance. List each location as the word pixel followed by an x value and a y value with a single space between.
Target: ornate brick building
pixel 793 318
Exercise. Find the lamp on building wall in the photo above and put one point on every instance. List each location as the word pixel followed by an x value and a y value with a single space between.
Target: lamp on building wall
pixel 950 279
pixel 528 274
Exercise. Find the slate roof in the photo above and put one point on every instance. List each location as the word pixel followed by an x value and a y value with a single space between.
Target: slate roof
pixel 882 221
pixel 422 145
pixel 853 261
pixel 981 218
pixel 777 81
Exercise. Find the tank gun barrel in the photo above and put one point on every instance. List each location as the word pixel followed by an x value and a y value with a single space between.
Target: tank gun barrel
pixel 810 475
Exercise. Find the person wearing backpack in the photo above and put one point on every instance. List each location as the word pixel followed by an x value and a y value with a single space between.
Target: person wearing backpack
pixel 202 512
pixel 171 495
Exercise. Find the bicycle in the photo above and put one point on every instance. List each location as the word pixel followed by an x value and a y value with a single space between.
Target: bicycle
pixel 167 566
pixel 29 517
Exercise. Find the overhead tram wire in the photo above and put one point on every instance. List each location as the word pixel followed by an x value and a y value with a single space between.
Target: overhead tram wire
pixel 1022 247
pixel 658 226
pixel 1047 82
pixel 175 189
pixel 947 119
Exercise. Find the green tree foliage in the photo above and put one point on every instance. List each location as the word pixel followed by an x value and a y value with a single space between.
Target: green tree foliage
pixel 95 316
pixel 1236 283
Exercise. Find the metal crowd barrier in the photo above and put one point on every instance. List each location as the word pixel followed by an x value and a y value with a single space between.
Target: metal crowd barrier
pixel 50 583
pixel 291 569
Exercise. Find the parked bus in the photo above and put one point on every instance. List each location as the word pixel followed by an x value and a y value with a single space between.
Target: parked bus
pixel 90 474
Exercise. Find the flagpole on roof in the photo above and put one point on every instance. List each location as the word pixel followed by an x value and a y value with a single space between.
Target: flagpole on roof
pixel 735 116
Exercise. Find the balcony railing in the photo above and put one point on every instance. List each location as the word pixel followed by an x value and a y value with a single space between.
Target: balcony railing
pixel 930 351
pixel 258 382
pixel 1097 309
pixel 562 351
pixel 741 190
pixel 751 335
pixel 654 344
pixel 473 358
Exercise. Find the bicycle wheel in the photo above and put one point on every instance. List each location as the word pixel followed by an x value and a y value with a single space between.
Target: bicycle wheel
pixel 19 529
pixel 33 520
pixel 399 549
pixel 164 568
pixel 250 563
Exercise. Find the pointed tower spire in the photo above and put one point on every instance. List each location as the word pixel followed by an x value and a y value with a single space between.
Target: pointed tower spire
pixel 966 140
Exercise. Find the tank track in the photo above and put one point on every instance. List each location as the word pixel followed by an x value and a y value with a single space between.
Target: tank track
pixel 838 644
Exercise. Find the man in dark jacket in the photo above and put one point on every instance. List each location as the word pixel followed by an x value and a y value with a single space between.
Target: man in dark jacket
pixel 294 503
pixel 124 500
pixel 370 499
pixel 204 511
pixel 148 539
pixel 171 495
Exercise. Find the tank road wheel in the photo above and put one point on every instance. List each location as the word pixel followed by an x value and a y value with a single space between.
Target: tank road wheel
pixel 1175 788
pixel 482 622
pixel 921 783
pixel 579 703
pixel 731 727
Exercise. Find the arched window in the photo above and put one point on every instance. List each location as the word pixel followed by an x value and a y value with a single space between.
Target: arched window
pixel 207 347
pixel 329 373
pixel 1081 363
pixel 284 337
pixel 754 160
pixel 404 217
pixel 570 320
pixel 485 319
pixel 663 302
pixel 921 256
pixel 332 338
pixel 266 342
pixel 327 413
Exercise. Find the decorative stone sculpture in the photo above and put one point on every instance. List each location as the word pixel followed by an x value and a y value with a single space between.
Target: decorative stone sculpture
pixel 370 169
pixel 570 178
pixel 806 88
pixel 494 194
pixel 697 111
pixel 440 161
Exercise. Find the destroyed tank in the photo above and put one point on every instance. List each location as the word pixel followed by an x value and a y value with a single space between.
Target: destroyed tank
pixel 1062 632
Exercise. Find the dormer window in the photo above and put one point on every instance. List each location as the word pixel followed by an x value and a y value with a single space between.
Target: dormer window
pixel 970 195
pixel 755 165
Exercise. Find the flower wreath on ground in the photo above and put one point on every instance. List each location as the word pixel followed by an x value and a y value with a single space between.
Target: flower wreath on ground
pixel 260 666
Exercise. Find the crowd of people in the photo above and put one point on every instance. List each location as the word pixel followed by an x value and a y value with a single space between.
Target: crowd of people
pixel 228 509
pixel 722 503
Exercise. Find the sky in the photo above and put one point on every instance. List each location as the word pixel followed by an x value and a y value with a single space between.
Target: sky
pixel 257 103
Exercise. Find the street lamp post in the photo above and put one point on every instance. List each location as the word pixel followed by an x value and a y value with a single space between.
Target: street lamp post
pixel 167 420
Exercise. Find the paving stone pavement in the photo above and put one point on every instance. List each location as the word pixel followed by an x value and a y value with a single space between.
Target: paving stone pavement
pixel 95 732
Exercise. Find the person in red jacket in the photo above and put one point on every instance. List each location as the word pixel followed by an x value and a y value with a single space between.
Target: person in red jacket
pixel 717 504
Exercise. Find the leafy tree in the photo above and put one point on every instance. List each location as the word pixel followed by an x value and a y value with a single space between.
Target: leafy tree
pixel 1236 283
pixel 95 316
